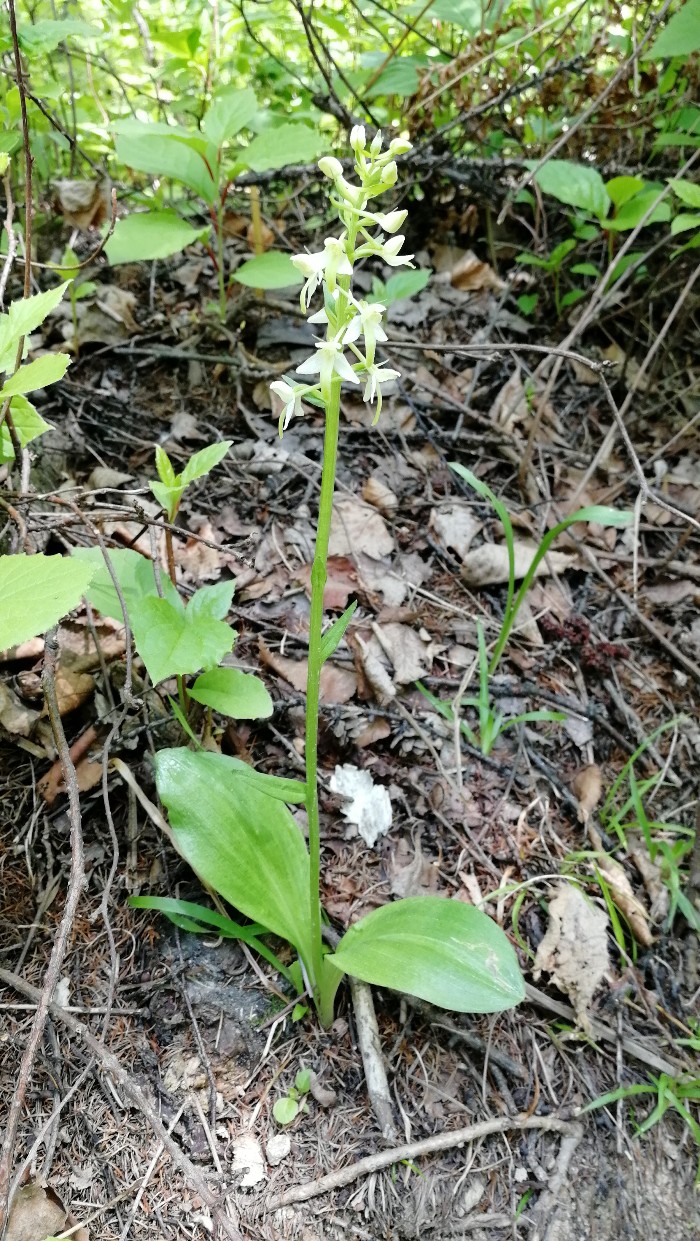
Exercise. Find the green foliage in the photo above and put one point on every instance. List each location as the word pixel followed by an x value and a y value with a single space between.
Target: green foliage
pixel 36 591
pixel 176 640
pixel 681 35
pixel 404 284
pixel 272 270
pixel 287 1108
pixel 171 488
pixel 232 692
pixel 672 1093
pixel 151 235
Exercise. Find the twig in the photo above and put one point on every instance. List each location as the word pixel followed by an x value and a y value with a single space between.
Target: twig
pixel 76 883
pixel 412 1150
pixel 10 234
pixel 372 1057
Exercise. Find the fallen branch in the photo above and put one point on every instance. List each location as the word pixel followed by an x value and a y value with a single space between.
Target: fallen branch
pixel 413 1150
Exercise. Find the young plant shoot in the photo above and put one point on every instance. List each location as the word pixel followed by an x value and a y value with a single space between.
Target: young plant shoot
pixel 233 825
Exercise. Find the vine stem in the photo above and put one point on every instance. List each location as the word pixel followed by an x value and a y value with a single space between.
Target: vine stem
pixel 313 682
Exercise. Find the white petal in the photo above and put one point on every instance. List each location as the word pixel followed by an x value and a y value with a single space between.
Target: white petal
pixel 311 366
pixel 343 368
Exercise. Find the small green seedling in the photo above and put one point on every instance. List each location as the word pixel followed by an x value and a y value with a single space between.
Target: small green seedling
pixel 286 1109
pixel 677 1093
pixel 77 289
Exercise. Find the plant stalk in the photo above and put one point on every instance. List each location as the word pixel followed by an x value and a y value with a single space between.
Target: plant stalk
pixel 313 682
pixel 220 258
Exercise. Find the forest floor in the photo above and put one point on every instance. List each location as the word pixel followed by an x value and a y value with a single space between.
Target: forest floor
pixel 610 637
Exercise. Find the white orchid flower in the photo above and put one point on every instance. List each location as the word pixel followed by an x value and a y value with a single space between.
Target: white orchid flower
pixel 312 267
pixel 368 321
pixel 357 139
pixel 389 220
pixel 376 377
pixel 329 361
pixel 337 261
pixel 388 251
pixel 291 397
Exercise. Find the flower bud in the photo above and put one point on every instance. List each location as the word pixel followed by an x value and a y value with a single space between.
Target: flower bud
pixel 400 146
pixel 389 174
pixel 358 139
pixel 391 220
pixel 376 144
pixel 331 167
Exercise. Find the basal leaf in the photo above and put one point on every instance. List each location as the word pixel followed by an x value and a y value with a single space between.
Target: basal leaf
pixel 36 591
pixel 228 113
pixel 292 792
pixel 241 842
pixel 47 369
pixel 273 270
pixel 173 641
pixel 148 235
pixel 442 951
pixel 233 692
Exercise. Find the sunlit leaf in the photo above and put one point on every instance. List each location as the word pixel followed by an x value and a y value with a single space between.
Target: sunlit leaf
pixel 36 591
pixel 273 270
pixel 228 113
pixel 151 235
pixel 238 694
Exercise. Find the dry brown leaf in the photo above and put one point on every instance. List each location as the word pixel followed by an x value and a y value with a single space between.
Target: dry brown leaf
pixel 357 527
pixel 454 525
pixel 583 373
pixel 487 565
pixel 376 493
pixel 16 718
pixel 409 872
pixel 341 582
pixel 624 365
pixel 376 730
pixel 73 684
pixel 324 1095
pixel 653 882
pixel 471 275
pixel 337 684
pixel 574 950
pixel 38 1213
pixel 510 406
pixel 375 672
pixel 410 655
pixel 264 237
pixel 622 893
pixel 587 787
pixel 83 204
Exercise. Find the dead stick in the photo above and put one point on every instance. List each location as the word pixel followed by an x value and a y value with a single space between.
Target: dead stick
pixel 412 1150
pixel 135 1096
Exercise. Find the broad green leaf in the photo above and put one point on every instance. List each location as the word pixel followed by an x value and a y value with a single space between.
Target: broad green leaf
pixel 162 151
pixel 288 144
pixel 333 636
pixel 36 591
pixel 634 210
pixel 203 462
pixel 241 842
pixel 285 1110
pixel 302 1081
pixel 238 694
pixel 442 951
pixel 293 792
pixel 135 576
pixel 273 270
pixel 621 189
pixel 681 35
pixel 584 269
pixel 4 163
pixel 228 113
pixel 687 191
pixel 213 602
pixel 178 641
pixel 45 370
pixel 399 78
pixel 151 235
pixel 404 284
pixel 28 424
pixel 45 35
pixel 578 185
pixel 465 14
pixel 684 223
pixel 22 318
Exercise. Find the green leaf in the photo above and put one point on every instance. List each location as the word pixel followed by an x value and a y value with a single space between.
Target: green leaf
pixel 404 284
pixel 302 1081
pixel 578 185
pixel 168 497
pixel 399 78
pixel 241 842
pixel 293 792
pixel 28 424
pixel 163 151
pixel 287 144
pixel 134 574
pixel 47 369
pixel 213 602
pixel 149 235
pixel 238 694
pixel 560 252
pixel 36 591
pixel 681 35
pixel 198 920
pixel 203 462
pixel 272 270
pixel 177 641
pixel 285 1110
pixel 228 113
pixel 621 189
pixel 687 191
pixel 164 466
pixel 684 223
pixel 22 318
pixel 442 951
pixel 584 269
pixel 600 513
pixel 45 35
pixel 634 210
pixel 333 636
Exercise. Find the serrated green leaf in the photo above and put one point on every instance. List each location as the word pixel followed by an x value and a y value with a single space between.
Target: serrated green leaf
pixel 681 35
pixel 687 191
pixel 273 270
pixel 241 842
pixel 165 151
pixel 47 369
pixel 237 694
pixel 23 318
pixel 442 951
pixel 203 462
pixel 164 466
pixel 578 185
pixel 148 235
pixel 176 642
pixel 46 35
pixel 36 591
pixel 28 423
pixel 285 1110
pixel 135 576
pixel 334 636
pixel 228 113
pixel 288 144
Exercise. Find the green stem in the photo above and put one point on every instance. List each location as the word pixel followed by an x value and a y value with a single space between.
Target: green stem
pixel 313 683
pixel 220 258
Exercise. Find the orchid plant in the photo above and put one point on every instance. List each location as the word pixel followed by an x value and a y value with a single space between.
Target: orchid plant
pixel 233 824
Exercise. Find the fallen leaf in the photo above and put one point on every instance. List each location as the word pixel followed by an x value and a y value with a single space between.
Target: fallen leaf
pixel 487 565
pixel 38 1213
pixel 337 684
pixel 621 891
pixel 579 730
pixel 411 875
pixel 653 882
pixel 103 476
pixel 379 495
pixel 277 1148
pixel 357 527
pixel 587 787
pixel 574 950
pixel 16 718
pixel 324 1095
pixel 368 805
pixel 471 275
pixel 248 1158
pixel 454 525
pixel 83 204
pixel 375 672
pixel 341 582
pixel 411 656
pixel 199 562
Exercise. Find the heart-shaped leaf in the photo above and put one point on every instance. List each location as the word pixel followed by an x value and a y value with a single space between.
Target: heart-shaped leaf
pixel 233 692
